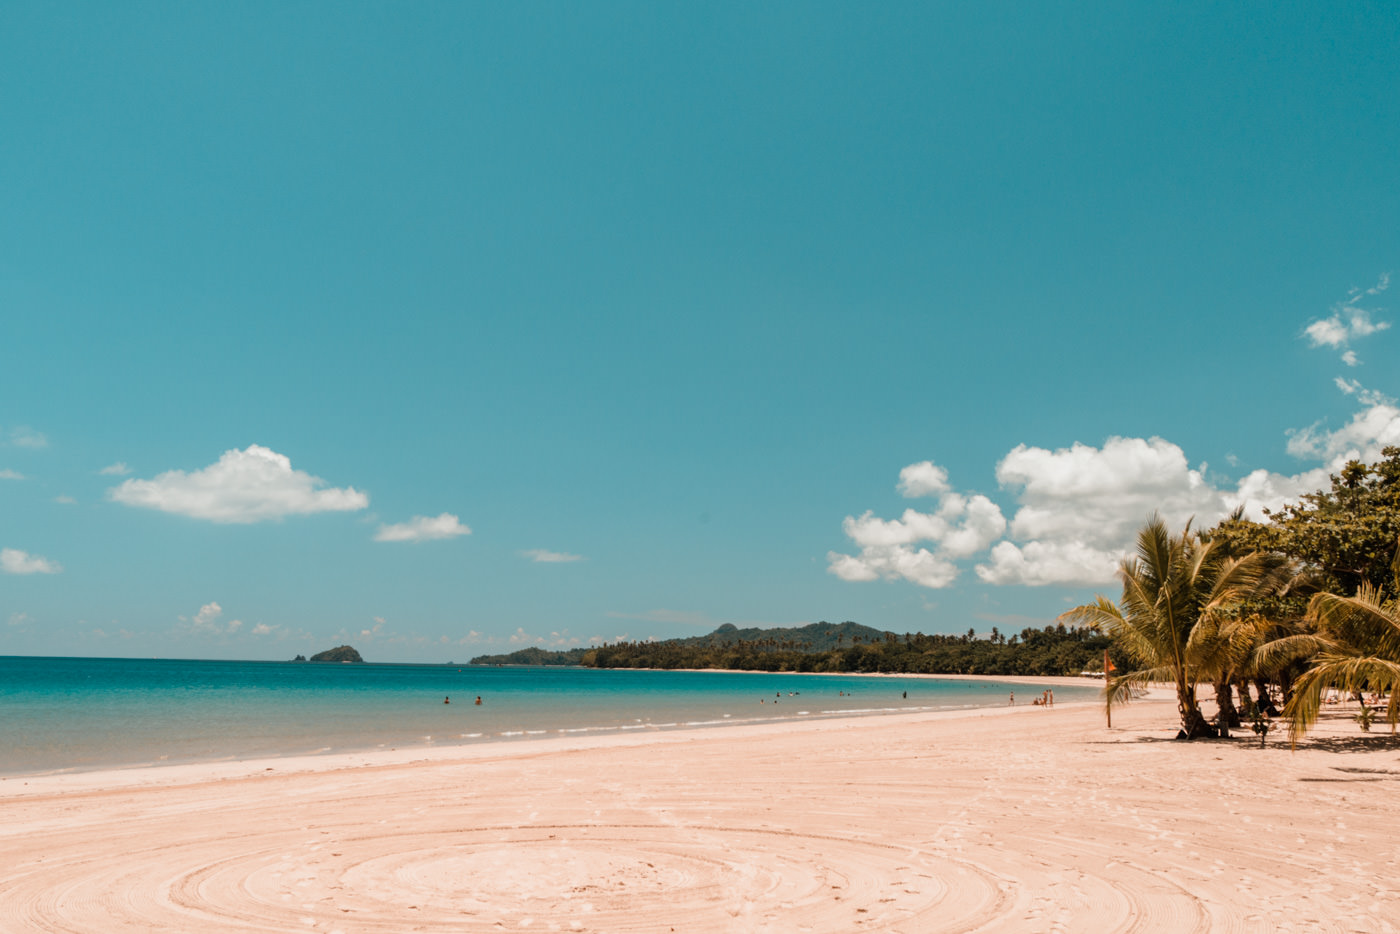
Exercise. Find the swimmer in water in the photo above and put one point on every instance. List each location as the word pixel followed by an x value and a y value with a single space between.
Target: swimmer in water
pixel 478 700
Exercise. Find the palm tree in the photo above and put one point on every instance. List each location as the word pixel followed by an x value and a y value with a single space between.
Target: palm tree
pixel 1355 647
pixel 1176 592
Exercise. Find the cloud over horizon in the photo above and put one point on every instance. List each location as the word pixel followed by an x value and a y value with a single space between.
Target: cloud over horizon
pixel 15 561
pixel 423 529
pixel 545 556
pixel 252 485
pixel 1078 508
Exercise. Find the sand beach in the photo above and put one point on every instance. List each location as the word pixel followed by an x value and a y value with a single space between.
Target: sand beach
pixel 1016 819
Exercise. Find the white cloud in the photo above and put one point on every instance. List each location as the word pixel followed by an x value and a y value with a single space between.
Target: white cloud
pixel 960 526
pixel 923 479
pixel 1079 508
pixel 1363 438
pixel 245 486
pixel 263 629
pixel 422 529
pixel 11 475
pixel 65 500
pixel 119 469
pixel 207 615
pixel 1038 563
pixel 543 556
pixel 1348 322
pixel 19 619
pixel 24 437
pixel 14 561
pixel 207 620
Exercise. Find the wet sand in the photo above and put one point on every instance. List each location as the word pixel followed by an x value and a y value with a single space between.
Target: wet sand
pixel 1014 819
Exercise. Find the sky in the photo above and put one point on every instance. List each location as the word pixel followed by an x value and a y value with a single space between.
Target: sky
pixel 445 329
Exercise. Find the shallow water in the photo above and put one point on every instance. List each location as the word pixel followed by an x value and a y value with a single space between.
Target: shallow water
pixel 85 713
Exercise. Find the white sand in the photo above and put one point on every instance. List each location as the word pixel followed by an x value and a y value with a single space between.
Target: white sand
pixel 1009 820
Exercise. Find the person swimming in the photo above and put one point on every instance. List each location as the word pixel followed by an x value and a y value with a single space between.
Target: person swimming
pixel 478 700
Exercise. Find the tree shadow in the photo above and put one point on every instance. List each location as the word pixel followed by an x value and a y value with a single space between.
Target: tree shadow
pixel 1366 742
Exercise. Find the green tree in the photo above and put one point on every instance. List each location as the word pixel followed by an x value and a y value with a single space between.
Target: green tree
pixel 1347 532
pixel 1355 647
pixel 1175 593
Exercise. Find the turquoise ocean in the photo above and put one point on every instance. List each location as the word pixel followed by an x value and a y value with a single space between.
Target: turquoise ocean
pixel 74 714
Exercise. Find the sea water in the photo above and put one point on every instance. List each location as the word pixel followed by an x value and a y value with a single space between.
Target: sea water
pixel 87 713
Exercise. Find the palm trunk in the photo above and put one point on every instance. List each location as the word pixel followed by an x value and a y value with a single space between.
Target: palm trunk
pixel 1193 723
pixel 1242 685
pixel 1266 703
pixel 1228 716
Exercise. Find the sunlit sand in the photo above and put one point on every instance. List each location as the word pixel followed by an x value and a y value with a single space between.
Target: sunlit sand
pixel 1017 819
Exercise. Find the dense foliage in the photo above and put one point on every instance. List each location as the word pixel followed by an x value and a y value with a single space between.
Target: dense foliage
pixel 1316 613
pixel 1346 534
pixel 534 656
pixel 341 653
pixel 844 647
pixel 1055 650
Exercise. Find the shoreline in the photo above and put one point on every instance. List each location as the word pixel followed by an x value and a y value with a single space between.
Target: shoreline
pixel 437 745
pixel 149 775
pixel 1014 818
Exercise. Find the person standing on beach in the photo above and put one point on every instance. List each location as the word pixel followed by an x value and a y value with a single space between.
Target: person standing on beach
pixel 1012 702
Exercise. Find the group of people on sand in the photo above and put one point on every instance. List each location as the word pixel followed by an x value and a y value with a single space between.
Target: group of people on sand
pixel 1046 699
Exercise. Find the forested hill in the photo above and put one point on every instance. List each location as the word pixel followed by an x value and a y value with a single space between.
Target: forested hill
pixel 848 647
pixel 815 637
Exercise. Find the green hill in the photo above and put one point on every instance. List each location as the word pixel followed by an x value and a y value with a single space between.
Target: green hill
pixel 341 653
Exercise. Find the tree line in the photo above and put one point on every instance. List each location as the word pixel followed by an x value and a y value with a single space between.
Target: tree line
pixel 1055 650
pixel 1286 611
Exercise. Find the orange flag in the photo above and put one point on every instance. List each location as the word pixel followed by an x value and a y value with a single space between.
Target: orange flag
pixel 1107 665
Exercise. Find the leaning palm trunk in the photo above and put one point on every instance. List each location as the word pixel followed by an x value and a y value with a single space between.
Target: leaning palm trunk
pixel 1228 716
pixel 1266 700
pixel 1194 724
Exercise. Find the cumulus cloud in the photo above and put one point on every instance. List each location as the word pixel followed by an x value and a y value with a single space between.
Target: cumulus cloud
pixel 1348 322
pixel 251 485
pixel 1362 438
pixel 422 529
pixel 920 547
pixel 1079 508
pixel 923 479
pixel 11 475
pixel 15 561
pixel 543 556
pixel 208 620
pixel 22 436
pixel 119 469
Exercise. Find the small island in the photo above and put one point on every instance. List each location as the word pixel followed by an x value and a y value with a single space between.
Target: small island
pixel 341 653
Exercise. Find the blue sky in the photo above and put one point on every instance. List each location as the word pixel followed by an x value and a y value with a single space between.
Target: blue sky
pixel 448 329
